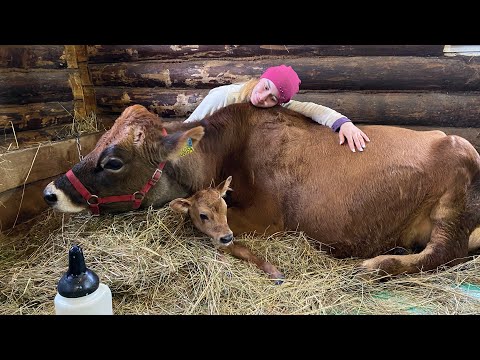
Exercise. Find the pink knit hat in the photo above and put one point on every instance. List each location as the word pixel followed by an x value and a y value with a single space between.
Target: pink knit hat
pixel 285 79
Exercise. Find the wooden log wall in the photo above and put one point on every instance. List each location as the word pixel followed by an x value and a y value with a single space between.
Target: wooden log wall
pixel 34 87
pixel 42 89
pixel 406 85
pixel 42 86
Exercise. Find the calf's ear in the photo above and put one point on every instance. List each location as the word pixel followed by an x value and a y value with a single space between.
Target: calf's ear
pixel 180 205
pixel 223 187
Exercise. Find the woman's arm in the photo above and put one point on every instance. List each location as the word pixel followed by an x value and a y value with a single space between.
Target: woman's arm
pixel 318 113
pixel 333 119
pixel 215 99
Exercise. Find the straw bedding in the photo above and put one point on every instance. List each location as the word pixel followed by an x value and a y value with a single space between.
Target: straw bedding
pixel 156 262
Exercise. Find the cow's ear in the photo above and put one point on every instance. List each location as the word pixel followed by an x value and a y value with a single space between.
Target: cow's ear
pixel 183 143
pixel 195 134
pixel 180 205
pixel 223 187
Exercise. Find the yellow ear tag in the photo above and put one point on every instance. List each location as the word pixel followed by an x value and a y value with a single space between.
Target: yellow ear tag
pixel 188 148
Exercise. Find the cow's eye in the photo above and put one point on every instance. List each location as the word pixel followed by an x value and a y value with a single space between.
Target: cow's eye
pixel 203 217
pixel 113 164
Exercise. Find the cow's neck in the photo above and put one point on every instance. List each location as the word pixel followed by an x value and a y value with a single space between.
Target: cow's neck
pixel 225 138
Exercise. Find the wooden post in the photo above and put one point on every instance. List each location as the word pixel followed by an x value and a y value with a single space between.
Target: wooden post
pixel 80 81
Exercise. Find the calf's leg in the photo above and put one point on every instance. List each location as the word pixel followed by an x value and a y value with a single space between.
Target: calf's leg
pixel 243 253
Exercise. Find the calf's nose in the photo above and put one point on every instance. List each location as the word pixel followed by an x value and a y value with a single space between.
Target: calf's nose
pixel 226 239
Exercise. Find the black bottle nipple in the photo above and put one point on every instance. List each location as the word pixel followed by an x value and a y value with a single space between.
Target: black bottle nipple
pixel 78 281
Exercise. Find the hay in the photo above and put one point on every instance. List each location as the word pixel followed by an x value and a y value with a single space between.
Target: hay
pixel 84 124
pixel 14 135
pixel 155 262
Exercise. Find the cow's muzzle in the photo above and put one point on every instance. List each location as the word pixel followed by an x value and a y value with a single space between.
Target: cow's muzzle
pixel 49 195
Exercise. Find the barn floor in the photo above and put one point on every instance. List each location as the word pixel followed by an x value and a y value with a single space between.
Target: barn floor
pixel 155 262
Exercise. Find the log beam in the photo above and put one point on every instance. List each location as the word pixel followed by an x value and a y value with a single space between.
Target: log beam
pixel 128 53
pixel 34 86
pixel 392 108
pixel 324 73
pixel 35 116
pixel 33 57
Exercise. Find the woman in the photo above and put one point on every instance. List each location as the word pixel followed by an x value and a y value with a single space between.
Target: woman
pixel 277 85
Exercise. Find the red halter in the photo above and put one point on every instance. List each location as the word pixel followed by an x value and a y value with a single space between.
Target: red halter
pixel 136 198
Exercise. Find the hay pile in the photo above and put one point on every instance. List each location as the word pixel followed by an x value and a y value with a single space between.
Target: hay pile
pixel 155 262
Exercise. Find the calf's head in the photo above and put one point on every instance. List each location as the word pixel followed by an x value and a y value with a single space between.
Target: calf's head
pixel 120 167
pixel 208 211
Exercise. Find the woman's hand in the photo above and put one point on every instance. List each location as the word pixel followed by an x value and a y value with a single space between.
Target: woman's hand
pixel 353 135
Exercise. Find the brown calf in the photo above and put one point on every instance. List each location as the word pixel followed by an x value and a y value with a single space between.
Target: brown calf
pixel 411 189
pixel 208 211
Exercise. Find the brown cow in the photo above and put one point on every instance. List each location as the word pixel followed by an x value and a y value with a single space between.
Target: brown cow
pixel 208 211
pixel 416 190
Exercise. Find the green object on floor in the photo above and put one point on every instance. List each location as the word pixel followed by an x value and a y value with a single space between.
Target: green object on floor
pixel 471 290
pixel 386 295
pixel 468 289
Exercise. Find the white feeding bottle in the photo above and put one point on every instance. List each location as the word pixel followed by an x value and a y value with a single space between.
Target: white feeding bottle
pixel 79 291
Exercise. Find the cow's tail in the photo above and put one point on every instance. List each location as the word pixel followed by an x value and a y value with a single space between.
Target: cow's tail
pixel 473 214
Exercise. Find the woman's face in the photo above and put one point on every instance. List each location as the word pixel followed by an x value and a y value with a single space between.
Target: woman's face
pixel 264 94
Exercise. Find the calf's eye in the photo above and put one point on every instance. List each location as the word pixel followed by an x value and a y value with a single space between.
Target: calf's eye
pixel 203 217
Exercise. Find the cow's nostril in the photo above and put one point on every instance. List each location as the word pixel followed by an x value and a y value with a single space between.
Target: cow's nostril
pixel 50 198
pixel 226 239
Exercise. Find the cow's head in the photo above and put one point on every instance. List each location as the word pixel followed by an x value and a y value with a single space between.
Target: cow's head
pixel 124 160
pixel 208 211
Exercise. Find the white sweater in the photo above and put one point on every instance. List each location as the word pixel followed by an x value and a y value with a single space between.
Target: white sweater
pixel 230 94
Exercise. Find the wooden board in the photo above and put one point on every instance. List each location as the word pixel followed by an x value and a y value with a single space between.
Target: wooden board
pixel 321 73
pixel 127 53
pixel 43 161
pixel 11 203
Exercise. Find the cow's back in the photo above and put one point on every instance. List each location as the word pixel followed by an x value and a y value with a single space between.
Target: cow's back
pixel 361 203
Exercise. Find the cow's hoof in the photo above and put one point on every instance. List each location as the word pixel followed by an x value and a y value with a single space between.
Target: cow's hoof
pixel 362 273
pixel 385 265
pixel 365 273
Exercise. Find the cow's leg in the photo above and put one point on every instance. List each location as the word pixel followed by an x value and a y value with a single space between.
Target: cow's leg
pixel 243 253
pixel 448 242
